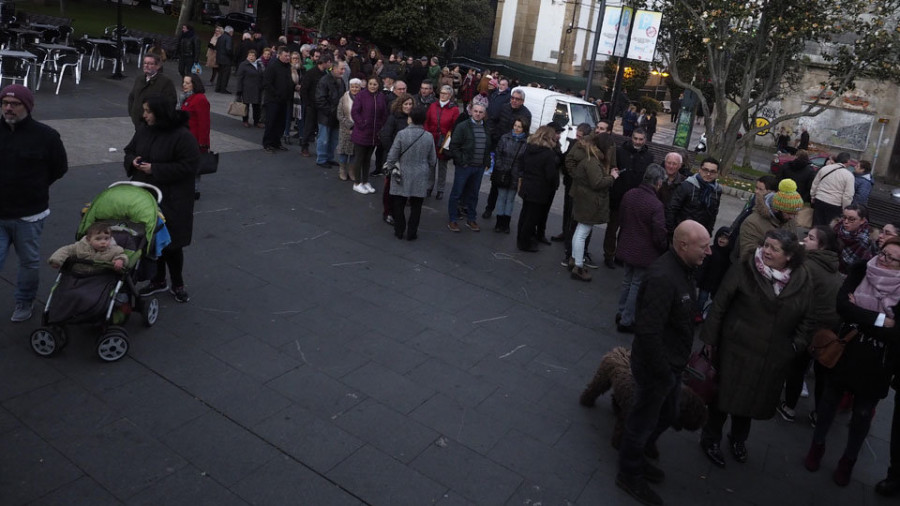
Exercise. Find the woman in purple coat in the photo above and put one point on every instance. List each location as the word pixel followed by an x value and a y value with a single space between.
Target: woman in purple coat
pixel 642 239
pixel 369 114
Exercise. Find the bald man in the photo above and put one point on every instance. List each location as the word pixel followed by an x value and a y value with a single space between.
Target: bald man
pixel 664 333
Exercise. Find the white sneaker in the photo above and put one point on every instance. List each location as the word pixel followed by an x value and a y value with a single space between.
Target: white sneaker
pixel 369 188
pixel 358 188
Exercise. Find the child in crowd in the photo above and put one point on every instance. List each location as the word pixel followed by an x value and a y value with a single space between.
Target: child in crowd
pixel 97 245
pixel 713 269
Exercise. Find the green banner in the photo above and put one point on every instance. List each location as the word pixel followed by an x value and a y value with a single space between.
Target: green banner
pixel 683 129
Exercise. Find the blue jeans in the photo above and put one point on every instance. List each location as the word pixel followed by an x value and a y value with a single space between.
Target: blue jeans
pixel 628 298
pixel 466 183
pixel 655 408
pixel 506 200
pixel 326 143
pixel 25 236
pixel 578 239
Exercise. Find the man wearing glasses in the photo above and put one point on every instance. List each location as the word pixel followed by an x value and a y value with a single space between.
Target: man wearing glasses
pixel 697 198
pixel 502 124
pixel 33 158
pixel 151 82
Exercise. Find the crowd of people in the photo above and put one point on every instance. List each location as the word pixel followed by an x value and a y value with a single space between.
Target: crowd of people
pixel 758 292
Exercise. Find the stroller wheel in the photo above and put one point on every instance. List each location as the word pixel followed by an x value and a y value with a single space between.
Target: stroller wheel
pixel 61 335
pixel 44 342
pixel 150 311
pixel 112 345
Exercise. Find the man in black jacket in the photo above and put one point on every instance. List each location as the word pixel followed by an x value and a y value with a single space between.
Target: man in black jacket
pixel 328 93
pixel 224 59
pixel 664 333
pixel 33 158
pixel 502 124
pixel 308 85
pixel 278 91
pixel 632 158
pixel 697 198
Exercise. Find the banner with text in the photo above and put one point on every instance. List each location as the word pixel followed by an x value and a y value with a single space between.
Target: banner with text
pixel 614 34
pixel 644 35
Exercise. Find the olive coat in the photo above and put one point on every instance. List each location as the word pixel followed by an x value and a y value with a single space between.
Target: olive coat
pixel 757 335
pixel 591 182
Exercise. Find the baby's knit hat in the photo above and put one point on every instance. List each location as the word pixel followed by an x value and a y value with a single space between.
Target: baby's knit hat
pixel 786 199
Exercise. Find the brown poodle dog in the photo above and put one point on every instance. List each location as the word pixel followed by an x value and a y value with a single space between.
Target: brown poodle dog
pixel 615 372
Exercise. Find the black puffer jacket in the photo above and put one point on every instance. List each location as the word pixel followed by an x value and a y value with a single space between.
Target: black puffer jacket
pixel 539 173
pixel 278 86
pixel 173 155
pixel 664 319
pixel 632 163
pixel 33 158
pixel 328 94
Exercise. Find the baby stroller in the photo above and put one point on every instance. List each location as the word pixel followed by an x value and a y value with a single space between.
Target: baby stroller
pixel 102 295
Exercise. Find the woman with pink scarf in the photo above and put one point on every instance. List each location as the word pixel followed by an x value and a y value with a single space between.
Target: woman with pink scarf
pixel 759 322
pixel 868 304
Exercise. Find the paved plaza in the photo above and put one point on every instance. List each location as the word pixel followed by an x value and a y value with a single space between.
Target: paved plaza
pixel 321 361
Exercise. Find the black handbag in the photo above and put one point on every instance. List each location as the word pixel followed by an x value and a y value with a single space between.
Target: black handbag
pixel 209 163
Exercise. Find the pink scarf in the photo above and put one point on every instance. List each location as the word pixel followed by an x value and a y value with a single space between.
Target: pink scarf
pixel 879 290
pixel 779 279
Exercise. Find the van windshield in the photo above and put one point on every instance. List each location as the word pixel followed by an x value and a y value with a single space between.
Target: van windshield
pixel 584 113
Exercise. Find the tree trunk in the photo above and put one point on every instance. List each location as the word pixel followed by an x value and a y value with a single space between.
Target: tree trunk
pixel 184 17
pixel 268 19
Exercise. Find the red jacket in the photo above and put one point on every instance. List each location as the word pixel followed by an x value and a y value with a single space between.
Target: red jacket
pixel 197 107
pixel 440 122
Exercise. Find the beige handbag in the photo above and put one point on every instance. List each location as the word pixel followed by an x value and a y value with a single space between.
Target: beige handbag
pixel 237 109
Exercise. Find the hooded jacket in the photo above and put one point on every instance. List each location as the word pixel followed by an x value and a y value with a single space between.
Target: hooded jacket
pixel 686 204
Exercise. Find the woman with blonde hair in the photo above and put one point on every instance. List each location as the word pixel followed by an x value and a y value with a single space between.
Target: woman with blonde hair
pixel 592 179
pixel 537 183
pixel 345 145
pixel 211 54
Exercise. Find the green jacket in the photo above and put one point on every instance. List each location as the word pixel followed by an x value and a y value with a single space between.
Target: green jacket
pixel 591 183
pixel 757 334
pixel 462 145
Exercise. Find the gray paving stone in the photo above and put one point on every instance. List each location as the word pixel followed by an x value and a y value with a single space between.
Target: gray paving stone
pixel 84 490
pixel 374 477
pixel 189 486
pixel 530 492
pixel 465 387
pixel 330 322
pixel 93 376
pixel 199 441
pixel 316 391
pixel 122 458
pixel 443 346
pixel 390 432
pixel 329 354
pixel 517 382
pixel 540 464
pixel 284 481
pixel 247 402
pixel 388 387
pixel 7 421
pixel 61 411
pixel 23 372
pixel 254 358
pixel 461 423
pixel 388 351
pixel 154 404
pixel 318 443
pixel 37 469
pixel 477 478
pixel 533 419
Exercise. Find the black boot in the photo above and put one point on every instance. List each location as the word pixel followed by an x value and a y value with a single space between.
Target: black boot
pixel 506 223
pixel 890 485
pixel 498 227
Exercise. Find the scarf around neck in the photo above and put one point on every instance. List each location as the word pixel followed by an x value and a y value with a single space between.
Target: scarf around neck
pixel 879 290
pixel 779 279
pixel 706 191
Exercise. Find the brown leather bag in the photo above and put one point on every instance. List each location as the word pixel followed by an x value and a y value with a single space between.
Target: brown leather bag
pixel 827 347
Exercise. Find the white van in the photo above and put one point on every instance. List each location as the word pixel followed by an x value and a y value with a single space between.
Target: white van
pixel 546 106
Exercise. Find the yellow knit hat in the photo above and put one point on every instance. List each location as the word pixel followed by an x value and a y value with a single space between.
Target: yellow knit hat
pixel 787 200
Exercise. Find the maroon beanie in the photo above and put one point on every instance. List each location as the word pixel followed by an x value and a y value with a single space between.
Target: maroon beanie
pixel 20 92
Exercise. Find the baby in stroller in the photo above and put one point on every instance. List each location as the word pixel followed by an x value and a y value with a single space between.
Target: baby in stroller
pixel 121 233
pixel 97 246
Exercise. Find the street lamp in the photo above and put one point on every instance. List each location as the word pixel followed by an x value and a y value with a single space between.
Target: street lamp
pixel 660 75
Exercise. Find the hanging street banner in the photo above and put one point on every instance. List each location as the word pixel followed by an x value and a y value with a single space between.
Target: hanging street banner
pixel 614 35
pixel 644 35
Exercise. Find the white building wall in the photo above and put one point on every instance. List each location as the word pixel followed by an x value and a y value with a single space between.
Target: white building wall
pixel 507 26
pixel 549 30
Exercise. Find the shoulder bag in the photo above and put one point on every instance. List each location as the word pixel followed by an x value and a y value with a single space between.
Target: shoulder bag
pixel 209 163
pixel 701 376
pixel 236 108
pixel 827 347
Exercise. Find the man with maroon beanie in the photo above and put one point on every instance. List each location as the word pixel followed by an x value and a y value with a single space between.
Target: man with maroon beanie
pixel 33 158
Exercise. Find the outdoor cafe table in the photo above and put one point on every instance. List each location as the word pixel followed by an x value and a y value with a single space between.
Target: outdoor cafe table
pixel 23 55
